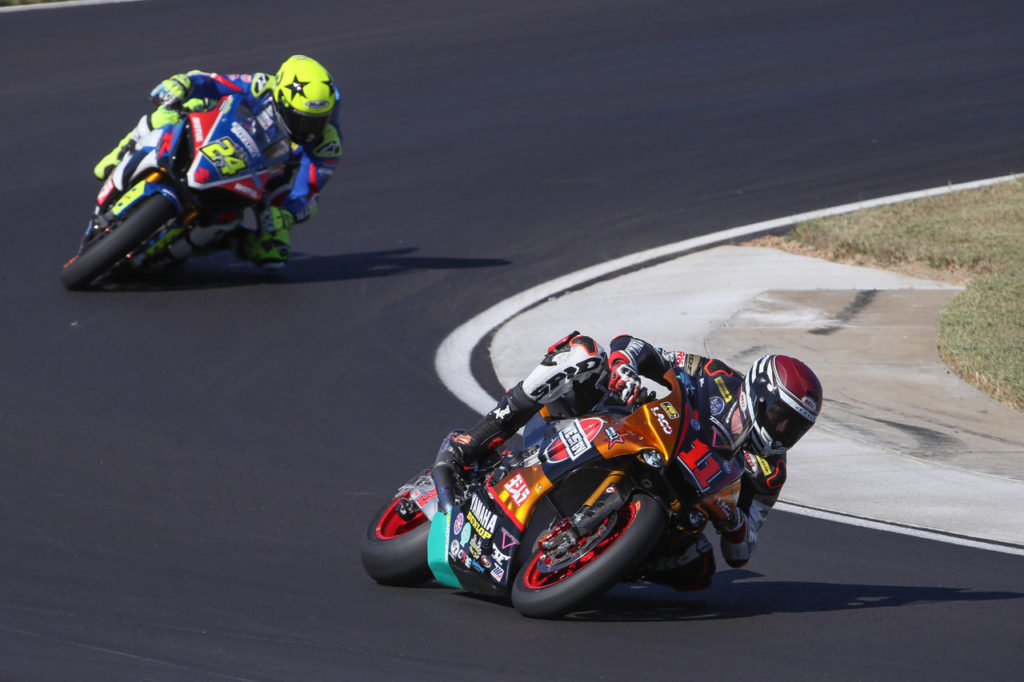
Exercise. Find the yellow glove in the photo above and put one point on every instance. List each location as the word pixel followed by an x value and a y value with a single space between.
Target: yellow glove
pixel 172 91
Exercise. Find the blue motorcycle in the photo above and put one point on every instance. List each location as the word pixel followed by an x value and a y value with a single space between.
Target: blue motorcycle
pixel 182 189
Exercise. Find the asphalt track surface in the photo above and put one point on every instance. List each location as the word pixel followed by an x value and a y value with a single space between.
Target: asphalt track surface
pixel 188 465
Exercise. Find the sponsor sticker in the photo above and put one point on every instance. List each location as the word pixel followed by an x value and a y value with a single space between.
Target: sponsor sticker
pixel 574 439
pixel 499 557
pixel 614 437
pixel 481 518
pixel 507 539
pixel 662 421
pixel 246 139
pixel 723 389
pixel 517 488
pixel 245 189
pixel 474 547
pixel 750 462
pixel 670 410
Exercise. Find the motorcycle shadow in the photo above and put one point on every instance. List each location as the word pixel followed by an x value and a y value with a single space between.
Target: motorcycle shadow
pixel 222 270
pixel 730 597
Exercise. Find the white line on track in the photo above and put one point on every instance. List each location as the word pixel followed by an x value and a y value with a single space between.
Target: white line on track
pixel 453 358
pixel 60 5
pixel 895 528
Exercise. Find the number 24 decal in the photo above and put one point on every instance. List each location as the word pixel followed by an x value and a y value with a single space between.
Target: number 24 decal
pixel 224 156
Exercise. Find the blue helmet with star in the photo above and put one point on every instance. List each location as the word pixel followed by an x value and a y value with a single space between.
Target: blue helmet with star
pixel 305 96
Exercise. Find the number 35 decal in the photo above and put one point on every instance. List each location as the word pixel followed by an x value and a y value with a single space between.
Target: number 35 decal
pixel 224 156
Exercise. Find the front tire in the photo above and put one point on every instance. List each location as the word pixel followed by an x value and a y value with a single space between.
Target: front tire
pixel 100 255
pixel 637 527
pixel 394 550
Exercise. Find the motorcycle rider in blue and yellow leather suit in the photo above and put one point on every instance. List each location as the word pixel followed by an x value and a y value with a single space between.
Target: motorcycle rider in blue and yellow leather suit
pixel 304 100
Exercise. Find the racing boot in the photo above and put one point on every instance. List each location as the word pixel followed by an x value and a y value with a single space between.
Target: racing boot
pixel 510 414
pixel 685 563
pixel 268 249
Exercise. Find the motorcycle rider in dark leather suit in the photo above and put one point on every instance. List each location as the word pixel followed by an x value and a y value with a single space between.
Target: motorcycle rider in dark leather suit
pixel 780 398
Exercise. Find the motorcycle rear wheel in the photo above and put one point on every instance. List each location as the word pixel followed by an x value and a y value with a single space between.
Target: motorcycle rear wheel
pixel 103 253
pixel 394 550
pixel 637 527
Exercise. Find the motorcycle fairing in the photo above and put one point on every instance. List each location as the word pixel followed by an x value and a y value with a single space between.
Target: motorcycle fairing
pixel 139 191
pixel 148 154
pixel 472 546
pixel 568 444
pixel 226 152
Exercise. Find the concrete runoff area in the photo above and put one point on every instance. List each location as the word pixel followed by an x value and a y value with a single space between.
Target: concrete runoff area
pixel 900 440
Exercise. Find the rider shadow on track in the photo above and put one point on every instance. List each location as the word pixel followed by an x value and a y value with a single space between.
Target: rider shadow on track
pixel 224 270
pixel 730 596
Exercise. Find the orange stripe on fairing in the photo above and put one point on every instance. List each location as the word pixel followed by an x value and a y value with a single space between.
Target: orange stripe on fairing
pixel 500 500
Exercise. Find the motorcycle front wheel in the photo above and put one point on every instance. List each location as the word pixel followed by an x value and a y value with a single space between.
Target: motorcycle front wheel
pixel 545 591
pixel 104 252
pixel 394 549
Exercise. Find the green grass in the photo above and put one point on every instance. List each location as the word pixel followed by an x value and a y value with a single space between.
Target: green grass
pixel 974 237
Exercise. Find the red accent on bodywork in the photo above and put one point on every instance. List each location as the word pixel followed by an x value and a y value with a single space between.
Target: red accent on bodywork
pixel 202 124
pixel 165 145
pixel 108 187
pixel 313 188
pixel 504 507
pixel 225 82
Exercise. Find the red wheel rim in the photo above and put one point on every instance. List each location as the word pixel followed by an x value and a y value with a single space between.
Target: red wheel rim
pixel 534 579
pixel 391 525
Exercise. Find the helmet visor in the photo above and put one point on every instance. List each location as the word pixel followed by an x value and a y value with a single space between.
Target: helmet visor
pixel 304 128
pixel 784 424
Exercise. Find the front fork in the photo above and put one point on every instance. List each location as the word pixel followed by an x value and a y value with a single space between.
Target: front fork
pixel 574 531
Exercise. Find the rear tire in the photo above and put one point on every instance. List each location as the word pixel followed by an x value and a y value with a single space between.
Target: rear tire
pixel 394 551
pixel 638 526
pixel 105 252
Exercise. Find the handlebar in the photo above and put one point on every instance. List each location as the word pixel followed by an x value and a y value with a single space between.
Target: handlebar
pixel 443 475
pixel 444 482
